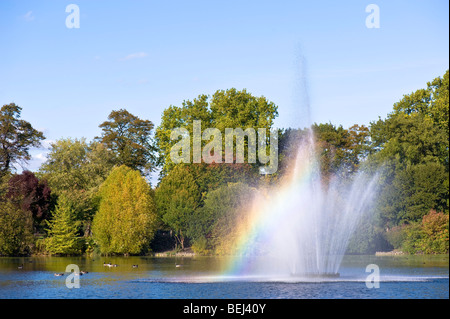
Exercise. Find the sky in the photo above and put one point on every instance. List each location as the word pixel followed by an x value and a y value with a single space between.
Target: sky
pixel 316 60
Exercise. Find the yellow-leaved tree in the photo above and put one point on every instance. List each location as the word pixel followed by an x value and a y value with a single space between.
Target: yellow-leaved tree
pixel 125 222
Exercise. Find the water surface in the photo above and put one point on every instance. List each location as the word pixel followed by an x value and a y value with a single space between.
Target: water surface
pixel 203 277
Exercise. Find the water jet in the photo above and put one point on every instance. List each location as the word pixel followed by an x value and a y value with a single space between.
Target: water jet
pixel 303 226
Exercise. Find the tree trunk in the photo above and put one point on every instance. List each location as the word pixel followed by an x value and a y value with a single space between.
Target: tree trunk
pixel 181 240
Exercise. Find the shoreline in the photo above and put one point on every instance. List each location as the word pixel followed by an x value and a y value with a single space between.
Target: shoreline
pixel 390 253
pixel 190 253
pixel 172 253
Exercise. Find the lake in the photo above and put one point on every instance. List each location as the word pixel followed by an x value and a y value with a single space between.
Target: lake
pixel 416 277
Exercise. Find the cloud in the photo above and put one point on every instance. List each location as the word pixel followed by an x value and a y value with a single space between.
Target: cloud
pixel 132 56
pixel 37 159
pixel 47 143
pixel 28 16
pixel 40 157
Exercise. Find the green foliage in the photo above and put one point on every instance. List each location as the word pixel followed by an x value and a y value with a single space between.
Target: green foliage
pixel 4 184
pixel 430 236
pixel 226 109
pixel 76 170
pixel 412 235
pixel 200 246
pixel 177 198
pixel 16 137
pixel 16 230
pixel 73 165
pixel 423 187
pixel 432 102
pixel 126 219
pixel 340 151
pixel 129 138
pixel 233 108
pixel 368 238
pixel 113 209
pixel 181 195
pixel 396 236
pixel 412 144
pixel 62 230
pixel 212 176
pixel 409 139
pixel 225 208
pixel 435 230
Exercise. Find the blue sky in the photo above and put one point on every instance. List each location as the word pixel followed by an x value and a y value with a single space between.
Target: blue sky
pixel 147 55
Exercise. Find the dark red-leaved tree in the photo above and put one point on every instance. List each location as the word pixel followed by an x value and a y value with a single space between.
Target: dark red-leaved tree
pixel 31 194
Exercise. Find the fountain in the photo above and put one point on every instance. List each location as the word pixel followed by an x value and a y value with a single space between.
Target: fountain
pixel 302 227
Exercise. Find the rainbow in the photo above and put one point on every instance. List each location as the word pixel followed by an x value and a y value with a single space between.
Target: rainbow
pixel 268 211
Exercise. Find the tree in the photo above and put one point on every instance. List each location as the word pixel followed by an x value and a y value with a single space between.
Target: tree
pixel 288 143
pixel 225 109
pixel 435 230
pixel 129 138
pixel 16 230
pixel 429 236
pixel 177 198
pixel 417 130
pixel 226 209
pixel 339 151
pixel 420 188
pixel 76 170
pixel 62 230
pixel 74 164
pixel 368 238
pixel 125 222
pixel 212 176
pixel 4 184
pixel 431 102
pixel 181 194
pixel 16 137
pixel 233 109
pixel 31 195
pixel 412 146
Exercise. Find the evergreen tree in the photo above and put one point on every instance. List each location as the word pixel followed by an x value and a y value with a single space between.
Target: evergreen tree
pixel 62 229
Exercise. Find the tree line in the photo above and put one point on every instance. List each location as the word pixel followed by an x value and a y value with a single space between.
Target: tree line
pixel 95 196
